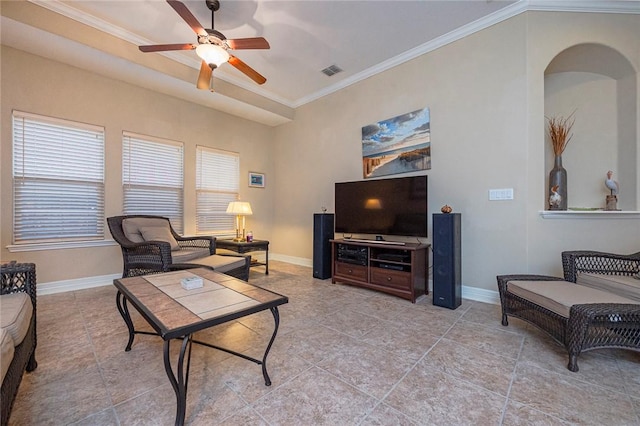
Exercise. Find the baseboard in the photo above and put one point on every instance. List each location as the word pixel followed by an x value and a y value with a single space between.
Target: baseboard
pixel 471 293
pixel 480 295
pixel 75 284
pixel 300 261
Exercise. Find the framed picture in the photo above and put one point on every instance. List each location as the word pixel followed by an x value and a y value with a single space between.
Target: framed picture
pixel 397 145
pixel 256 180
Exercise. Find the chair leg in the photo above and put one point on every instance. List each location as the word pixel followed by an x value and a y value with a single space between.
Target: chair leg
pixel 505 321
pixel 573 363
pixel 32 364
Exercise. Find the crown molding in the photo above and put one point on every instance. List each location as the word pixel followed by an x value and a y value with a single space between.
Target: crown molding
pixel 67 10
pixel 518 7
pixel 464 31
pixel 599 6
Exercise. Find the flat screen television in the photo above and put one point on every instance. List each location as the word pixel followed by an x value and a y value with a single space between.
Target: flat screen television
pixel 396 206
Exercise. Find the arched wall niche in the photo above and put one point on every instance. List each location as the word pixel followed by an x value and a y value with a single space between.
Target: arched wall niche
pixel 599 86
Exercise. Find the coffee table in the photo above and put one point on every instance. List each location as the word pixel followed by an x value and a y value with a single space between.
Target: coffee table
pixel 176 313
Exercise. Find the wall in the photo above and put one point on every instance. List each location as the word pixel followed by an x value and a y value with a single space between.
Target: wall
pixel 548 35
pixel 38 85
pixel 486 95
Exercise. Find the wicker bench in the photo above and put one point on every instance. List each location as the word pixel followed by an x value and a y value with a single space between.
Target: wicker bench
pixel 567 312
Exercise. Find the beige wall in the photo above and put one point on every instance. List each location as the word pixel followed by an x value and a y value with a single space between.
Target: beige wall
pixel 37 85
pixel 486 95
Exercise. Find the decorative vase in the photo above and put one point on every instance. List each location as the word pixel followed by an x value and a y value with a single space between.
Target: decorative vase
pixel 557 186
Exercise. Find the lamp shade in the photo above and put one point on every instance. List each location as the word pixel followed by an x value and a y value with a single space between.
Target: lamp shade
pixel 239 208
pixel 212 54
pixel 373 204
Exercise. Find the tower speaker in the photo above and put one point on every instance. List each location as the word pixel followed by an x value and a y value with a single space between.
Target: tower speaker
pixel 322 234
pixel 447 256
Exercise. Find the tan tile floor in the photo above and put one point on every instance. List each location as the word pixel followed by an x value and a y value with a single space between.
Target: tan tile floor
pixel 343 356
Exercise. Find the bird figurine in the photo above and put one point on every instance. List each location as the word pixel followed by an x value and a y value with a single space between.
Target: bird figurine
pixel 613 186
pixel 555 199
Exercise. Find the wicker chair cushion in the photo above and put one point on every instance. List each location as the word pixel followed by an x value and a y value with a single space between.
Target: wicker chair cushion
pixel 131 227
pixel 186 254
pixel 159 233
pixel 625 286
pixel 6 352
pixel 15 315
pixel 221 263
pixel 559 296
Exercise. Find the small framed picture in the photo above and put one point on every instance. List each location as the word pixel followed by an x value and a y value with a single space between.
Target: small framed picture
pixel 256 180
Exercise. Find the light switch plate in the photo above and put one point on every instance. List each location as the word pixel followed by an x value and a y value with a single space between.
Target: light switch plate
pixel 501 194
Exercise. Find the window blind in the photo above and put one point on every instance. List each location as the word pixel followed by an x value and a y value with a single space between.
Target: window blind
pixel 217 184
pixel 58 180
pixel 152 177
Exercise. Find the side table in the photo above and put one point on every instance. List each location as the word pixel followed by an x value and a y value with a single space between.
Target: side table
pixel 246 247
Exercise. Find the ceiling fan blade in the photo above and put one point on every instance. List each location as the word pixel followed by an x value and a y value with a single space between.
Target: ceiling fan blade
pixel 163 47
pixel 248 43
pixel 188 17
pixel 247 70
pixel 204 78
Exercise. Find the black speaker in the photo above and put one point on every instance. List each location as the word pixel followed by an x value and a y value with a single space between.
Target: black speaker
pixel 322 233
pixel 447 256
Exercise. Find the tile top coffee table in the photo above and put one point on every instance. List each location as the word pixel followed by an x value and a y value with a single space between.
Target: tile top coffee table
pixel 176 313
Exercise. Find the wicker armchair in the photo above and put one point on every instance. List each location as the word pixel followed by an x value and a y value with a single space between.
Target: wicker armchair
pixel 15 278
pixel 147 257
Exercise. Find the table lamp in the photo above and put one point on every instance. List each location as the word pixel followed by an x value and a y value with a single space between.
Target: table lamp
pixel 240 209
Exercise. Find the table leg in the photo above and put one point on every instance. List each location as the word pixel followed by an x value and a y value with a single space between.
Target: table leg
pixel 266 261
pixel 180 380
pixel 121 303
pixel 276 318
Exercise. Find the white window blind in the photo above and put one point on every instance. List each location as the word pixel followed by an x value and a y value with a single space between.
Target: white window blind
pixel 217 184
pixel 58 180
pixel 152 177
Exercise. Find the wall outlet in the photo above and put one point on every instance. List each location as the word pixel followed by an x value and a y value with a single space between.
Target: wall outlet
pixel 501 194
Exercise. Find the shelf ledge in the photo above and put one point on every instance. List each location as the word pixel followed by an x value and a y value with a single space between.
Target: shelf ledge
pixel 589 214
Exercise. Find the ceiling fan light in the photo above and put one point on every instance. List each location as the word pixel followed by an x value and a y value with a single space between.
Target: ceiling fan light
pixel 212 54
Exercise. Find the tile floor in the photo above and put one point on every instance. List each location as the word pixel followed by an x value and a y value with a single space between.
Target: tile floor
pixel 343 356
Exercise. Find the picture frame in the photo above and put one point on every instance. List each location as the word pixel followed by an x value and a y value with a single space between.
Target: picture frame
pixel 256 180
pixel 397 145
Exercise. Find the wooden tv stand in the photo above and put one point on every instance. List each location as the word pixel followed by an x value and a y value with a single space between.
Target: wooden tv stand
pixel 400 270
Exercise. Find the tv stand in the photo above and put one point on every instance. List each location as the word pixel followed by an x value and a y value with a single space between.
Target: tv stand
pixel 362 240
pixel 387 266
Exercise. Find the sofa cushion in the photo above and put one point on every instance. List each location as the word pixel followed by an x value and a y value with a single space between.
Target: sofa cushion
pixel 159 233
pixel 15 315
pixel 6 352
pixel 221 263
pixel 186 254
pixel 559 296
pixel 625 286
pixel 131 226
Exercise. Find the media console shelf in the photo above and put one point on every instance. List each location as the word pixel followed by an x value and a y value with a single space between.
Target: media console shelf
pixel 395 269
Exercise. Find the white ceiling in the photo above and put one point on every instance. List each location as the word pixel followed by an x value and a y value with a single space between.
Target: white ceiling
pixel 361 37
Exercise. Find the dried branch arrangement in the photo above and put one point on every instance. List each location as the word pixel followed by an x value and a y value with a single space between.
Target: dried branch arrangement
pixel 559 132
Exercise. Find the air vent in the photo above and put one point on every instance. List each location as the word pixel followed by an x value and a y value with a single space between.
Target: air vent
pixel 331 70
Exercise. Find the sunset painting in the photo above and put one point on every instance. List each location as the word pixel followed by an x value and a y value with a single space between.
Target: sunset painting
pixel 398 145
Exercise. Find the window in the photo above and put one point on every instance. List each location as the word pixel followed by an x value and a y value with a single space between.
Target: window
pixel 152 177
pixel 217 184
pixel 58 180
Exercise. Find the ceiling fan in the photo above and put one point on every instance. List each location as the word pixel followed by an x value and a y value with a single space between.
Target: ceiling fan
pixel 213 47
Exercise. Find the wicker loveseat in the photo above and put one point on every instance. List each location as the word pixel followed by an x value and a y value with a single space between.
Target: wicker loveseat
pixel 580 317
pixel 150 245
pixel 18 331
